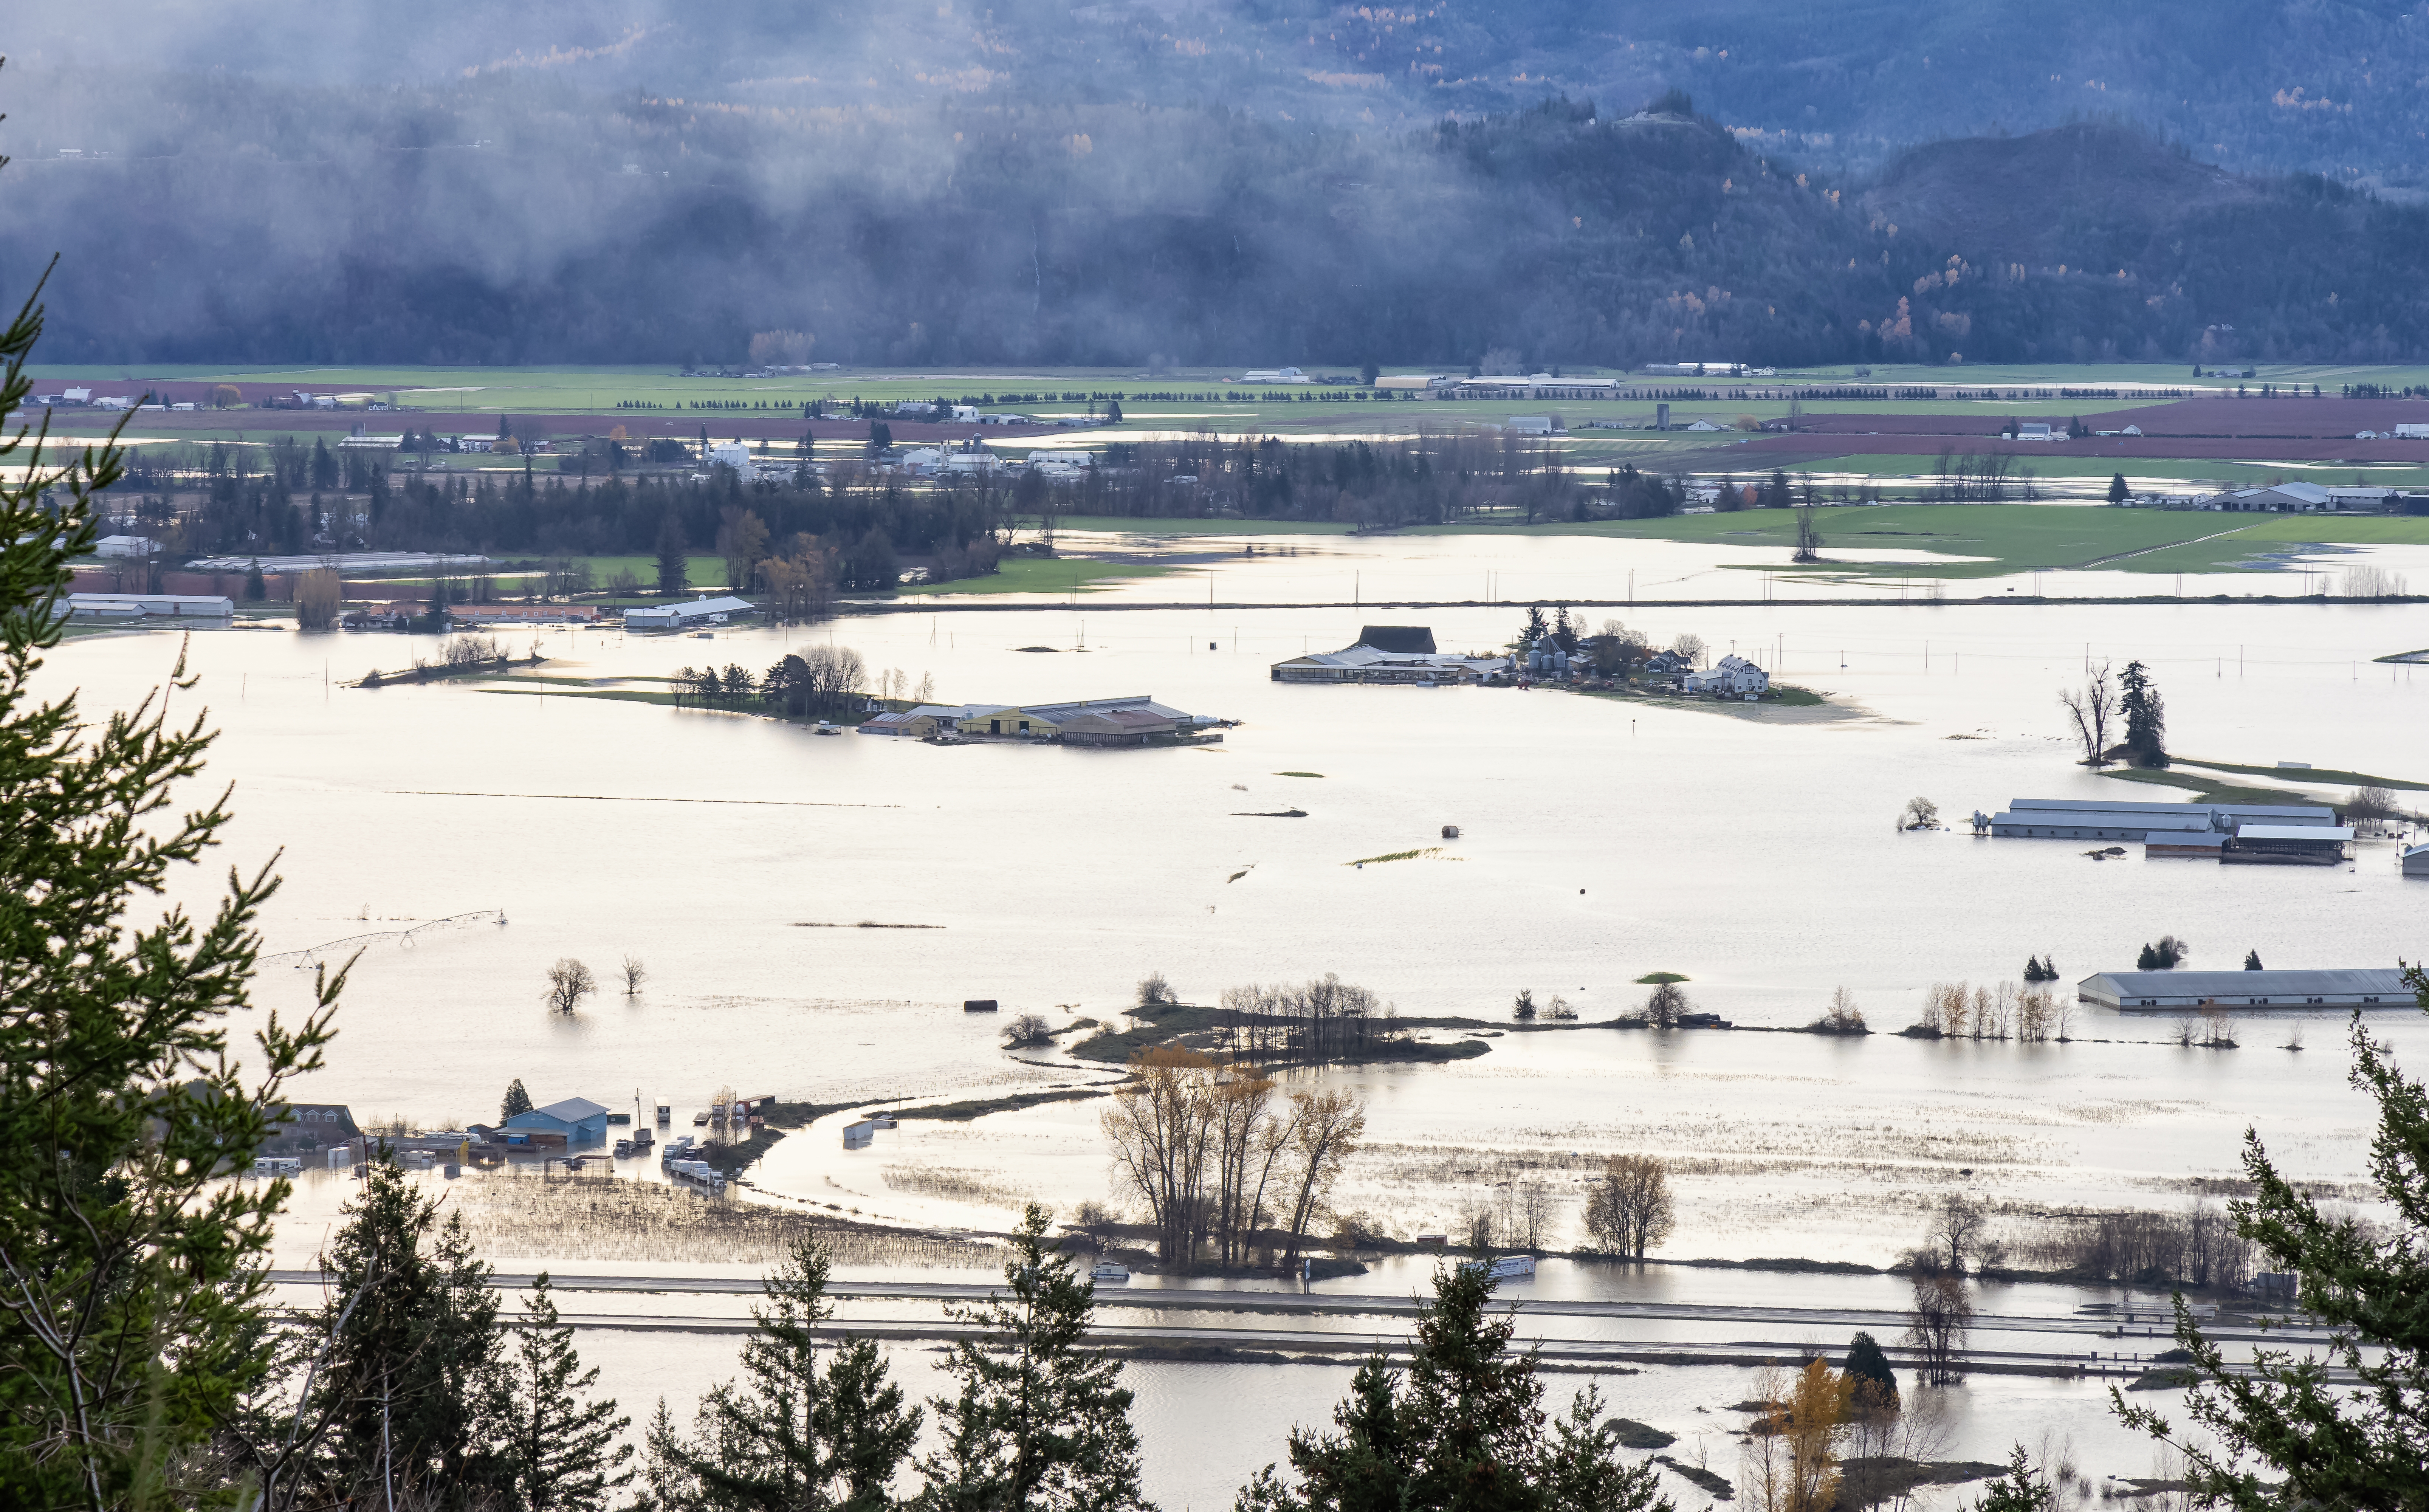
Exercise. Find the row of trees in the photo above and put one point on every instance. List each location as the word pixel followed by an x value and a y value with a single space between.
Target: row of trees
pixel 820 681
pixel 1217 1159
pixel 1324 1019
pixel 1995 1011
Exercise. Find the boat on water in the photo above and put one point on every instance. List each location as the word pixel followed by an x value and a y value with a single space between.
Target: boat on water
pixel 1110 1270
pixel 1507 1267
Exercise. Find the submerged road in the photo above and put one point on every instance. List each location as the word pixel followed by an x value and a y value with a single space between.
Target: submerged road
pixel 1751 1336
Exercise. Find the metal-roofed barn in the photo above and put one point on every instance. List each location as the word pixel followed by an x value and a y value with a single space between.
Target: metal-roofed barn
pixel 2335 987
pixel 2075 819
pixel 1389 653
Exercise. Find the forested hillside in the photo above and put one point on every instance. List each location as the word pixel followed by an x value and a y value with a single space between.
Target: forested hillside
pixel 2327 86
pixel 1047 209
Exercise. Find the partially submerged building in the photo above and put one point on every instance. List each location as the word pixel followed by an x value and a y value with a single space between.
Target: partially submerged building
pixel 576 1121
pixel 150 606
pixel 702 610
pixel 2341 987
pixel 2075 819
pixel 1390 654
pixel 1135 719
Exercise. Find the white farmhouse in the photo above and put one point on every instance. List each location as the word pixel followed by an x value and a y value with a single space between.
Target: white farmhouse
pixel 1731 677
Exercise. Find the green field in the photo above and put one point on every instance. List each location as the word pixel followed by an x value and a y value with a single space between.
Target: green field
pixel 453 398
pixel 1894 467
pixel 1031 574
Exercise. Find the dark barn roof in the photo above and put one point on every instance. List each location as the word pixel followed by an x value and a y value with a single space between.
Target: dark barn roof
pixel 1403 639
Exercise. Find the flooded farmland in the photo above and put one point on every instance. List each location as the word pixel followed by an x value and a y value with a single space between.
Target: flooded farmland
pixel 1756 854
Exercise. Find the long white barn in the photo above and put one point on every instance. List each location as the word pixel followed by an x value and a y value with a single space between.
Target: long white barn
pixel 2343 987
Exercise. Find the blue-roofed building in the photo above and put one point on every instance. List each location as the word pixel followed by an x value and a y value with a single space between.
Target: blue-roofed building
pixel 579 1120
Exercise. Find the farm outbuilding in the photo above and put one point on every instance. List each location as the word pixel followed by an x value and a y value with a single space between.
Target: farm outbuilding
pixel 2336 988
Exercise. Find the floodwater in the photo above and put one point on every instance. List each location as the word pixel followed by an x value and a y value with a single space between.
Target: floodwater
pixel 1601 839
pixel 1508 568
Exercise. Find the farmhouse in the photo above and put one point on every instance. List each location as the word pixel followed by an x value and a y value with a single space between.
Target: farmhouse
pixel 2351 988
pixel 1731 677
pixel 312 1125
pixel 574 1120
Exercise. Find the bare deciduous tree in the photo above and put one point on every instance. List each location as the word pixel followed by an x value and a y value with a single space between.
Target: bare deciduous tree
pixel 1028 1029
pixel 1690 647
pixel 1957 1232
pixel 2370 800
pixel 1197 1140
pixel 569 983
pixel 1532 1207
pixel 2091 707
pixel 1154 991
pixel 1937 1324
pixel 635 973
pixel 1327 1130
pixel 1918 813
pixel 1629 1209
pixel 1667 1004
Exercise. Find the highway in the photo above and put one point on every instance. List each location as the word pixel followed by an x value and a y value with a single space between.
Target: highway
pixel 1671 1332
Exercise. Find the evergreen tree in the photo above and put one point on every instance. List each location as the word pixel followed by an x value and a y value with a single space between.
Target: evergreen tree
pixel 668 1481
pixel 516 1101
pixel 324 467
pixel 2146 717
pixel 1865 1362
pixel 2116 489
pixel 409 1385
pixel 135 1284
pixel 562 1451
pixel 2020 1490
pixel 2279 1432
pixel 1536 629
pixel 256 589
pixel 1112 412
pixel 1041 1420
pixel 790 1437
pixel 674 569
pixel 1463 1429
pixel 2252 960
